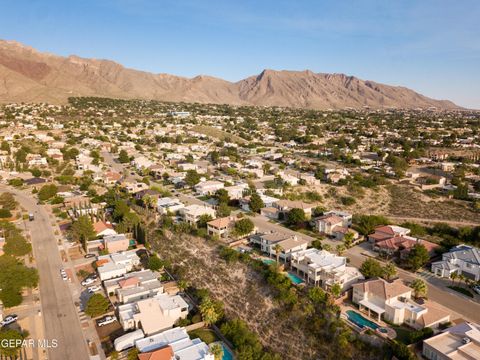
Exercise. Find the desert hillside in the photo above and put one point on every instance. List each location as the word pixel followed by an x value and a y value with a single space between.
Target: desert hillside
pixel 27 75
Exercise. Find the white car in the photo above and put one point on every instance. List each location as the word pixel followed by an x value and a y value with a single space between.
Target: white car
pixel 106 320
pixel 9 319
pixel 94 288
pixel 88 281
pixel 476 288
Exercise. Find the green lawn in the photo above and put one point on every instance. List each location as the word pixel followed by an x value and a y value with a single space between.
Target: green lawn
pixel 461 290
pixel 206 335
pixel 402 333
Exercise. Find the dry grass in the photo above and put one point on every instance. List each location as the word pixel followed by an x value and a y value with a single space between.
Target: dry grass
pixel 244 294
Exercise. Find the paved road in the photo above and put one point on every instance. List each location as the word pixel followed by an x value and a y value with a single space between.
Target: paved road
pixel 109 159
pixel 58 310
pixel 462 306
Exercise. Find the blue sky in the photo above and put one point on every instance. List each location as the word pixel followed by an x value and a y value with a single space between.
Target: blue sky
pixel 431 46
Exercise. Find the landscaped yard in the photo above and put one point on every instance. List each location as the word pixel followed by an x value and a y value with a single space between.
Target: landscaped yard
pixel 461 290
pixel 206 335
pixel 402 333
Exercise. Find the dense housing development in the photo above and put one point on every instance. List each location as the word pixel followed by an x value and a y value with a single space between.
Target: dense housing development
pixel 188 231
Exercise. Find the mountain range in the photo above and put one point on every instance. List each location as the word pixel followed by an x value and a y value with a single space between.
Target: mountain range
pixel 27 75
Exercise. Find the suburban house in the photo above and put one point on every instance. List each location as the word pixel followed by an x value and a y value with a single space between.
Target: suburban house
pixel 208 187
pixel 327 223
pixel 173 344
pixel 268 201
pixel 221 227
pixel 111 177
pixel 322 268
pixel 103 228
pixel 347 218
pixel 287 244
pixel 192 213
pixel 386 232
pixel 462 259
pixel 235 192
pixel 116 243
pixel 118 264
pixel 134 187
pixel 168 205
pixel 134 286
pixel 393 301
pixel 402 245
pixel 284 206
pixel 461 341
pixel 154 314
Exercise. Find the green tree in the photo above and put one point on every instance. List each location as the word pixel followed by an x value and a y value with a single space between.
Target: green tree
pixel 418 257
pixel 296 217
pixel 256 203
pixel 47 192
pixel 222 196
pixel 211 311
pixel 97 305
pixel 223 210
pixel 419 288
pixel 132 354
pixel 371 268
pixel 278 249
pixel 7 201
pixel 17 245
pixel 336 290
pixel 217 351
pixel 14 277
pixel 82 230
pixel 366 224
pixel 123 157
pixel 10 341
pixel 244 226
pixel 203 220
pixel 5 214
pixel 155 263
pixel 389 271
pixel 5 146
pixel 192 178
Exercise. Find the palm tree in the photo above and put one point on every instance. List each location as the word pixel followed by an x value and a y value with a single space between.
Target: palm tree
pixel 278 249
pixel 217 351
pixel 462 278
pixel 340 249
pixel 453 277
pixel 336 290
pixel 419 288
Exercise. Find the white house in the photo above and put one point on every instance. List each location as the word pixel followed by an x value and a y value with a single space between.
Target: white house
pixel 169 205
pixel 462 259
pixel 173 344
pixel 461 341
pixel 191 214
pixel 208 187
pixel 116 265
pixel 287 244
pixel 393 301
pixel 319 267
pixel 154 314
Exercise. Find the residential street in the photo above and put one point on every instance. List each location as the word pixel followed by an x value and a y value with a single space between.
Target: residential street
pixel 58 309
pixel 469 309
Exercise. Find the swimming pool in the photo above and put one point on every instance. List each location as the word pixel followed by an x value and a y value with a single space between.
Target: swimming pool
pixel 295 279
pixel 227 354
pixel 268 261
pixel 360 321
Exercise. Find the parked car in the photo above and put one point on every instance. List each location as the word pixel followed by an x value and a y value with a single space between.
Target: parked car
pixel 106 320
pixel 10 319
pixel 476 288
pixel 94 288
pixel 63 274
pixel 88 281
pixel 87 256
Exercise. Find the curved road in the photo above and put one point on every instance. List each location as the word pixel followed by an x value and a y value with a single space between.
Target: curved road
pixel 59 312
